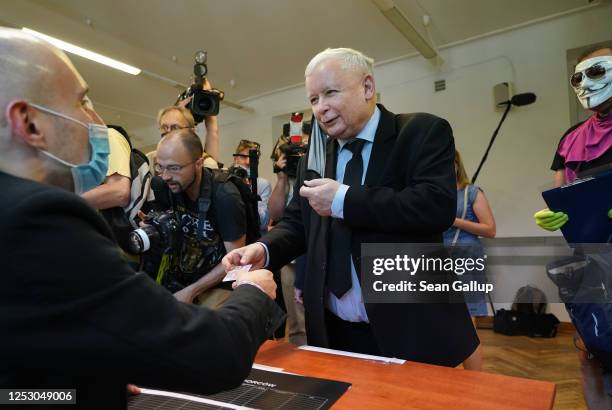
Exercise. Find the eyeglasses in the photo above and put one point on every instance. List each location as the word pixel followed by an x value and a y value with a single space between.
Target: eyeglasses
pixel 172 169
pixel 164 129
pixel 595 72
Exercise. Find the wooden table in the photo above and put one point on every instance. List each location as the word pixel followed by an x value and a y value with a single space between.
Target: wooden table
pixel 376 385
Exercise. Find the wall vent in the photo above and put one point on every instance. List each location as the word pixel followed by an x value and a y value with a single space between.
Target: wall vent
pixel 440 85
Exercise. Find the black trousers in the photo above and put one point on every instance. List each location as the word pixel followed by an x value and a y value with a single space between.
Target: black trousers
pixel 354 337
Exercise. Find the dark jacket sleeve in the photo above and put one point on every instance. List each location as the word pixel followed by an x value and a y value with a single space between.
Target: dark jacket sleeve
pixel 75 305
pixel 286 241
pixel 230 214
pixel 427 204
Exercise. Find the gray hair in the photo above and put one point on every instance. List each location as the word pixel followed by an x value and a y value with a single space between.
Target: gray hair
pixel 352 60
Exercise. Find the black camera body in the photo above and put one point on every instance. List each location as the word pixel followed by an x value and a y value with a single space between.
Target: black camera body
pixel 293 152
pixel 238 171
pixel 204 103
pixel 162 231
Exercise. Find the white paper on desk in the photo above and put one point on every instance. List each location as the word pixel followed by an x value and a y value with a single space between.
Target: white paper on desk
pixel 268 368
pixel 271 369
pixel 352 354
pixel 233 273
pixel 196 399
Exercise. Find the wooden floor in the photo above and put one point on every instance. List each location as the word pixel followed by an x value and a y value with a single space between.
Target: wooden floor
pixel 553 360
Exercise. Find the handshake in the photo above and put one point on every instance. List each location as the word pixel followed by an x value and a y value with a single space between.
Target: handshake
pixel 255 256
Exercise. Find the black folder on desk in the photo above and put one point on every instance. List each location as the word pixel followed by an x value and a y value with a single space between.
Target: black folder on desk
pixel 586 201
pixel 261 390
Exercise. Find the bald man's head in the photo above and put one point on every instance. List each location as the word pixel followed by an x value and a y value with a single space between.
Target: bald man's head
pixel 186 139
pixel 27 66
pixel 43 110
pixel 179 161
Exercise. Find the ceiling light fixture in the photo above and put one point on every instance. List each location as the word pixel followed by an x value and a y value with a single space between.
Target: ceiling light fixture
pixel 99 58
pixel 90 55
pixel 404 26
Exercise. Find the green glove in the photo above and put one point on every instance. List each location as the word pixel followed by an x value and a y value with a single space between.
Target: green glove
pixel 610 214
pixel 549 220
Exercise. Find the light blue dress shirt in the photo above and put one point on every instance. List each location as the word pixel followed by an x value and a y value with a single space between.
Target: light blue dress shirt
pixel 350 306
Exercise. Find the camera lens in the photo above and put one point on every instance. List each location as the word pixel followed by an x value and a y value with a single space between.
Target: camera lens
pixel 204 103
pixel 139 240
pixel 200 70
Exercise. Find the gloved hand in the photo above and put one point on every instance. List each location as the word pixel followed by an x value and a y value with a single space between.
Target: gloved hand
pixel 549 220
pixel 610 214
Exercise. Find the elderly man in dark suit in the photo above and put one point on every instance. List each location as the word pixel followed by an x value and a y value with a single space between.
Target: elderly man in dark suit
pixel 388 179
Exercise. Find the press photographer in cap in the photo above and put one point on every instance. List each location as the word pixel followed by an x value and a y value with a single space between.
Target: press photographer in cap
pixel 75 315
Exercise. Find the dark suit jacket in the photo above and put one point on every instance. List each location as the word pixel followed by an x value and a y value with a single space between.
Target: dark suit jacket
pixel 409 196
pixel 74 315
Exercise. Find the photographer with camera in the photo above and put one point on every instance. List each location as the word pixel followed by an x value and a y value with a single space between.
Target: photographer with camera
pixel 199 102
pixel 242 168
pixel 195 222
pixel 174 117
pixel 286 156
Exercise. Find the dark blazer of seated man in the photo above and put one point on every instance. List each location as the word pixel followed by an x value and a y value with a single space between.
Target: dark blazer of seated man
pixel 73 314
pixel 407 194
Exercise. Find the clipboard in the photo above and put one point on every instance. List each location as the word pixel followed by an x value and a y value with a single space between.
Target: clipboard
pixel 586 201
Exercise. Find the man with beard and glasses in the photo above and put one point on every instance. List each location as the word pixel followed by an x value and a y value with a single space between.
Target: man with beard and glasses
pixel 193 271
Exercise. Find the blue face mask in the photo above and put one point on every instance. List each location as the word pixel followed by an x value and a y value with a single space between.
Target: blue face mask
pixel 90 175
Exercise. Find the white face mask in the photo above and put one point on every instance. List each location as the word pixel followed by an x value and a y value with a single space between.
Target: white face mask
pixel 592 81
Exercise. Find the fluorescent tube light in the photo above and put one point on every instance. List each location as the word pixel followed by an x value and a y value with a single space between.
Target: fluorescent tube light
pixel 90 55
pixel 404 26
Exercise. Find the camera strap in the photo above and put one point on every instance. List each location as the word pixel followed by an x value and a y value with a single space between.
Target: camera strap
pixel 204 200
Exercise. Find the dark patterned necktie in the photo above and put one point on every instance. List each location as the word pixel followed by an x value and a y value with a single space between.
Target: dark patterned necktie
pixel 339 267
